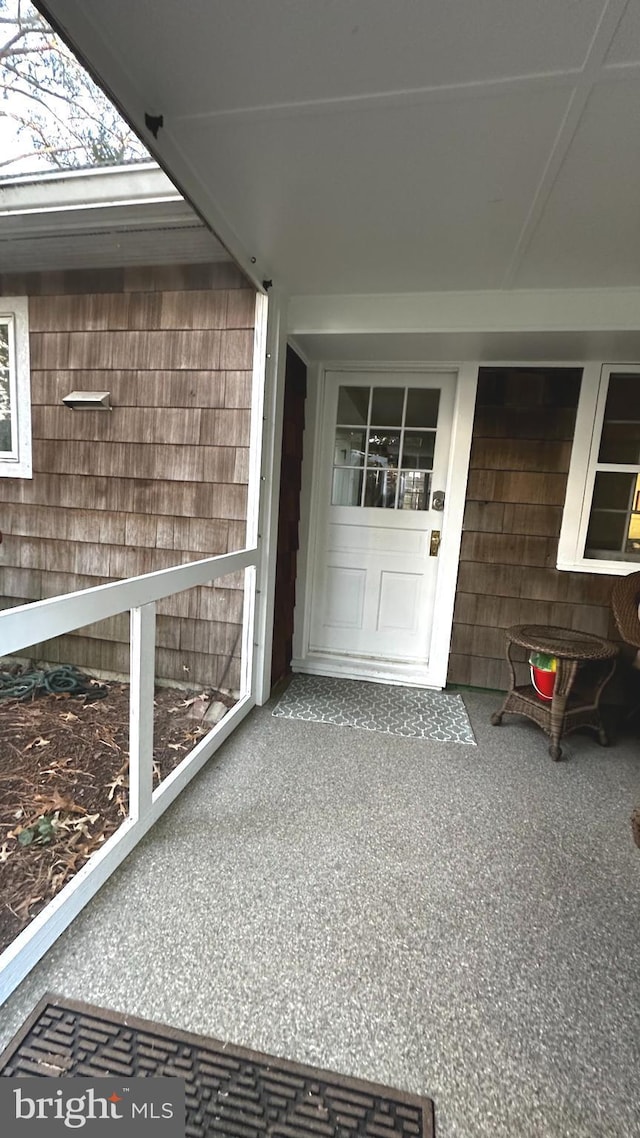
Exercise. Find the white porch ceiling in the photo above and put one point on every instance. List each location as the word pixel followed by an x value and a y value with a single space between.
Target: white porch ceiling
pixel 364 146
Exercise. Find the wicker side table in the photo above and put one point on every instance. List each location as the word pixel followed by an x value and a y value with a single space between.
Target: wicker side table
pixel 573 705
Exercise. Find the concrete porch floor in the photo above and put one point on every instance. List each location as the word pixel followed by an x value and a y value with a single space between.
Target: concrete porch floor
pixel 452 920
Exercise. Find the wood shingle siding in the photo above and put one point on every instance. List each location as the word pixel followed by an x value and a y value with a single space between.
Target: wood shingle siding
pixel 147 389
pixel 522 437
pixel 160 480
pixel 144 350
pixel 193 309
pixel 187 499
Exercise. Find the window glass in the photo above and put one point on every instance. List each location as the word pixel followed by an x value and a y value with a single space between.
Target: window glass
pixel 614 523
pixel 620 441
pixel 623 396
pixel 6 443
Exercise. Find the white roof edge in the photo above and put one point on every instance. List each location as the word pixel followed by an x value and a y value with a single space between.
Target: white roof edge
pixel 86 189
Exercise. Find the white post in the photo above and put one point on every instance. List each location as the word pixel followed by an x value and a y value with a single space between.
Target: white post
pixel 276 352
pixel 142 677
pixel 248 631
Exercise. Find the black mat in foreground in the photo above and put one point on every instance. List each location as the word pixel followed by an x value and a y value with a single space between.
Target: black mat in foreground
pixel 230 1091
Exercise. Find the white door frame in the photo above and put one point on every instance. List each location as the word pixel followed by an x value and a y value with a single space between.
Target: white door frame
pixel 461 432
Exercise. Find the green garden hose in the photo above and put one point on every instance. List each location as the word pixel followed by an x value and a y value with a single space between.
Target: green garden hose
pixel 51 681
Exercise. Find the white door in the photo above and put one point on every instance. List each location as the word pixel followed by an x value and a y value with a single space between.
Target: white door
pixel 382 468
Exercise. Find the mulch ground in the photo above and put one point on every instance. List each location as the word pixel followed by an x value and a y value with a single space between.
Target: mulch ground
pixel 64 783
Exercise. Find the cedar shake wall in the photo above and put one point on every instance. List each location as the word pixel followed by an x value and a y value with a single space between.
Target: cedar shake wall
pixel 158 481
pixel 522 438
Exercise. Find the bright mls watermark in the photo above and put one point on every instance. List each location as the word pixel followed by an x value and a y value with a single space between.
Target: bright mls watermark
pixel 140 1108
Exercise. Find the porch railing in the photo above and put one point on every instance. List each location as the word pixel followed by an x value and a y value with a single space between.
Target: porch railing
pixel 30 624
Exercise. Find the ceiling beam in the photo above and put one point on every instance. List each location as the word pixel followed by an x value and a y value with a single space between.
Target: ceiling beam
pixel 560 310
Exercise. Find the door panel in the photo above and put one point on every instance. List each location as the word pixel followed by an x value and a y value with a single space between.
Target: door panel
pixel 384 450
pixel 345 596
pixel 351 538
pixel 398 602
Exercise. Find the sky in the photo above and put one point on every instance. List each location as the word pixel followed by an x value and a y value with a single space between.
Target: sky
pixel 79 102
pixel 11 145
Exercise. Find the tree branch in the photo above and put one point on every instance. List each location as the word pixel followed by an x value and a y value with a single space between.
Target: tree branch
pixel 48 151
pixel 29 87
pixel 31 84
pixel 24 52
pixel 70 115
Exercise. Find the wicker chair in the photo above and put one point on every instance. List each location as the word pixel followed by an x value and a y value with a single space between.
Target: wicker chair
pixel 625 599
pixel 624 602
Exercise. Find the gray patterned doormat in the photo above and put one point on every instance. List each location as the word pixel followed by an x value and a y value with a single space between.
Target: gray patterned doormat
pixel 230 1092
pixel 414 713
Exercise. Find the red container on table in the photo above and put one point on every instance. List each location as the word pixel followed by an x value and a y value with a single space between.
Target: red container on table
pixel 543 681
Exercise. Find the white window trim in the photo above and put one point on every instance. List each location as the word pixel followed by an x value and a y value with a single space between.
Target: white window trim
pixel 15 310
pixel 582 472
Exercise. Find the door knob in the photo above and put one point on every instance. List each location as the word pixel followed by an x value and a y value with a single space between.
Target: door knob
pixel 437 500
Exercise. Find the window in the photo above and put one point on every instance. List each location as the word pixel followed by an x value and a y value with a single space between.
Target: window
pixel 384 446
pixel 601 523
pixel 15 399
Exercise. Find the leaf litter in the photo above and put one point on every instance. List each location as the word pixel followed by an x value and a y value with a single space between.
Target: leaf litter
pixel 64 784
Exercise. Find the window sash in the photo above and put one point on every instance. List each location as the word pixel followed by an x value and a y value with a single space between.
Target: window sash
pixel 582 474
pixel 14 316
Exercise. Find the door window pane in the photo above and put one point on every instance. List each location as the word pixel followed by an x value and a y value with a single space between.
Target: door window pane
pixel 415 488
pixel 380 488
pixel 347 487
pixel 417 452
pixel 353 405
pixel 349 447
pixel 384 450
pixel 386 406
pixel 422 407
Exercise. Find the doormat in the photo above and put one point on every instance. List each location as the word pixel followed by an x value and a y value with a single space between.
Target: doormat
pixel 414 713
pixel 229 1090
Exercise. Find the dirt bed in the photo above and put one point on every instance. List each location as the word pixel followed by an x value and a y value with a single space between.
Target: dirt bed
pixel 64 783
